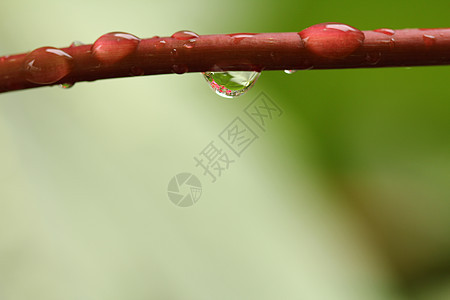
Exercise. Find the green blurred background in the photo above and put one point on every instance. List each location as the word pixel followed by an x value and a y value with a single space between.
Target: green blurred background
pixel 345 196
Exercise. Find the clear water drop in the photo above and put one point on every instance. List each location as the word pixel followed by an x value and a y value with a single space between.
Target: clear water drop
pixel 332 40
pixel 232 83
pixel 47 65
pixel 66 85
pixel 161 44
pixel 429 40
pixel 238 37
pixel 290 71
pixel 386 31
pixel 189 44
pixel 179 69
pixel 136 71
pixel 185 35
pixel 114 46
pixel 392 43
pixel 76 44
pixel 373 58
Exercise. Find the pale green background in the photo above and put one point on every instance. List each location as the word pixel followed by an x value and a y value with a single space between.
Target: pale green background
pixel 346 196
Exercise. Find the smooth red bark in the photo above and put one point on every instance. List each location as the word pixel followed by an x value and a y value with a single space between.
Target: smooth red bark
pixel 263 51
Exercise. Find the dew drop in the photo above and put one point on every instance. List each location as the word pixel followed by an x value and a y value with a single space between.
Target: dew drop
pixel 136 71
pixel 290 71
pixel 174 52
pixel 332 40
pixel 238 37
pixel 274 57
pixel 307 65
pixel 114 46
pixel 232 83
pixel 179 69
pixel 386 31
pixel 46 65
pixel 189 44
pixel 161 44
pixel 67 85
pixel 429 40
pixel 76 44
pixel 185 35
pixel 373 58
pixel 156 37
pixel 392 43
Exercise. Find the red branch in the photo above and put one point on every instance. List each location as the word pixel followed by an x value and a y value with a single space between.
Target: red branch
pixel 322 46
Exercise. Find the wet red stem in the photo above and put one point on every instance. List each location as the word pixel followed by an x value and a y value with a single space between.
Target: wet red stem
pixel 318 47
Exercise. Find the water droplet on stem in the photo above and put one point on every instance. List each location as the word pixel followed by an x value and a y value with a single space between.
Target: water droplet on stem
pixel 179 69
pixel 47 65
pixel 392 43
pixel 76 44
pixel 238 37
pixel 136 71
pixel 185 35
pixel 114 46
pixel 189 44
pixel 373 58
pixel 386 31
pixel 429 40
pixel 332 40
pixel 161 44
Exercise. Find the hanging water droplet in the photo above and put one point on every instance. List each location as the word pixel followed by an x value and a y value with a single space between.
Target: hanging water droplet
pixel 136 71
pixel 114 46
pixel 307 65
pixel 179 69
pixel 185 35
pixel 67 85
pixel 47 65
pixel 232 83
pixel 332 40
pixel 76 44
pixel 290 71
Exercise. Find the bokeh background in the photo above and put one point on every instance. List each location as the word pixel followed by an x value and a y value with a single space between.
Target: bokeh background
pixel 345 196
